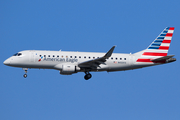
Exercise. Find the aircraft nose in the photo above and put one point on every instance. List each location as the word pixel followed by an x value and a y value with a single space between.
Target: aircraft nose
pixel 6 62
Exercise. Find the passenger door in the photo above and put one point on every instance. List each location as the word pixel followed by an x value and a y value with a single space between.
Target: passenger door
pixel 31 56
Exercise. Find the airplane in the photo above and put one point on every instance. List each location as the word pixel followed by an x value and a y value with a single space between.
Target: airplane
pixel 69 63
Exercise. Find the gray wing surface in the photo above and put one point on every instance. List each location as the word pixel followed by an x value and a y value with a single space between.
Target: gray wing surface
pixel 96 62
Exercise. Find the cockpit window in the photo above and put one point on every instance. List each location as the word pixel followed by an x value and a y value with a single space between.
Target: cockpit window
pixel 17 54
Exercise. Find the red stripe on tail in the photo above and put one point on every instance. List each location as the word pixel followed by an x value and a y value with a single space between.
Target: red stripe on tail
pixel 144 60
pixel 169 34
pixel 171 28
pixel 154 54
pixel 164 48
pixel 166 41
pixel 149 61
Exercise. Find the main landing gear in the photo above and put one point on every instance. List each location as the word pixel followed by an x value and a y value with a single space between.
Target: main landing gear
pixel 25 70
pixel 87 76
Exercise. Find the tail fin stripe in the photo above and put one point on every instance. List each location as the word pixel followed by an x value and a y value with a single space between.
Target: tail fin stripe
pixel 166 41
pixel 157 51
pixel 153 48
pixel 165 44
pixel 164 47
pixel 170 31
pixel 165 32
pixel 154 54
pixel 160 37
pixel 167 38
pixel 171 28
pixel 169 34
pixel 158 40
pixel 155 44
pixel 144 60
pixel 149 61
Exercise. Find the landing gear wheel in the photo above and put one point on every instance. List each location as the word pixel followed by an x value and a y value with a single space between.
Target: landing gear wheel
pixel 25 70
pixel 25 75
pixel 87 76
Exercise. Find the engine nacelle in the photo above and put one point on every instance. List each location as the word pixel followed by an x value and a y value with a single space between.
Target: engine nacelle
pixel 69 69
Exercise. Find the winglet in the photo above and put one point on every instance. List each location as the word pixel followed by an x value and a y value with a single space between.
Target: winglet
pixel 109 53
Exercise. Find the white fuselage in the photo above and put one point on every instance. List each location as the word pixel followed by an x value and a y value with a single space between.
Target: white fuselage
pixel 50 60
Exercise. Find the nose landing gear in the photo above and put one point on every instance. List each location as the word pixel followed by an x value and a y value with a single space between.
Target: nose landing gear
pixel 25 75
pixel 87 76
pixel 25 70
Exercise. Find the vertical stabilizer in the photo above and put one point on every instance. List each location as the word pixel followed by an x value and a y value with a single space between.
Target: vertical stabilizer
pixel 158 48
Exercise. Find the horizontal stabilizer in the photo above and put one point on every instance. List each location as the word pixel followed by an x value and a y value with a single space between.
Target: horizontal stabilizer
pixel 162 58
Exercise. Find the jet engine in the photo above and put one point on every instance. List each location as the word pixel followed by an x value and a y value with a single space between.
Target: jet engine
pixel 69 69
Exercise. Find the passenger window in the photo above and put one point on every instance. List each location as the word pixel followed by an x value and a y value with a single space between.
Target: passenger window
pixel 39 55
pixel 57 55
pixel 93 57
pixel 112 58
pixel 75 57
pixel 79 56
pixel 53 56
pixel 70 56
pixel 62 56
pixel 124 58
pixel 89 57
pixel 120 58
pixel 116 58
pixel 84 56
pixel 44 55
pixel 48 55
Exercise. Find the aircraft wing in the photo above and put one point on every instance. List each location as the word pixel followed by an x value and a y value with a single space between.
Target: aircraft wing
pixel 96 62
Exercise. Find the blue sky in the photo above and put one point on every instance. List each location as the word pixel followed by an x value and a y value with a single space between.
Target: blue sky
pixel 95 25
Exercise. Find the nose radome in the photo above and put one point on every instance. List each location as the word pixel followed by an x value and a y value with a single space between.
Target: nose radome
pixel 6 62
